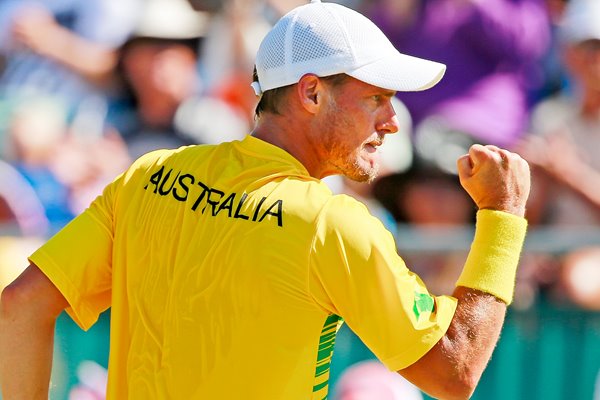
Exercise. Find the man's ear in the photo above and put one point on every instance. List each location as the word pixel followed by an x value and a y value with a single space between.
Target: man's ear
pixel 310 91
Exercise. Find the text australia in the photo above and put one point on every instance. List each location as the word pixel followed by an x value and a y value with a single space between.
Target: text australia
pixel 184 186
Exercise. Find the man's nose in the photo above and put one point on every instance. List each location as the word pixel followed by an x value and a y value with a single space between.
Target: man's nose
pixel 389 123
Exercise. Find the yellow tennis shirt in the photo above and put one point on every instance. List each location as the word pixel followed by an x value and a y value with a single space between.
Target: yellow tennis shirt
pixel 228 270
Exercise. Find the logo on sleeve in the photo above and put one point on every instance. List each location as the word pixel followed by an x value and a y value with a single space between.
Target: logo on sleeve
pixel 423 303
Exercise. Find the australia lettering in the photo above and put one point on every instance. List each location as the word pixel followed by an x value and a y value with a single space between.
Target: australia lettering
pixel 211 201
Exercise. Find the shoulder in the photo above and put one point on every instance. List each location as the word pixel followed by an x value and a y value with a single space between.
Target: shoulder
pixel 164 156
pixel 342 204
pixel 350 220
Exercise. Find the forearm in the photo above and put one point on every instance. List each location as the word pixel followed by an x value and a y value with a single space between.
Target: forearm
pixel 452 369
pixel 28 311
pixel 26 347
pixel 92 61
pixel 585 183
pixel 474 332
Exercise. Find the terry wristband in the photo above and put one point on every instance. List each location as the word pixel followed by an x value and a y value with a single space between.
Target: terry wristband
pixel 492 262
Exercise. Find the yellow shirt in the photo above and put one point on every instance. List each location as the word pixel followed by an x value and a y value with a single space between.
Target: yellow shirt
pixel 227 269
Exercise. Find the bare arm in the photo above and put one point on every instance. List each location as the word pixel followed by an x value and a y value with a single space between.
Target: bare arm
pixel 499 180
pixel 28 310
pixel 453 367
pixel 37 30
pixel 556 158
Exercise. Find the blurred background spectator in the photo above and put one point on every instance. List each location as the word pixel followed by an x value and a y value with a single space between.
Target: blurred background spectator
pixel 565 128
pixel 563 150
pixel 554 74
pixel 21 211
pixel 158 66
pixel 234 31
pixel 370 380
pixel 56 92
pixel 491 49
pixel 35 132
pixel 64 171
pixel 13 250
pixel 64 50
pixel 91 385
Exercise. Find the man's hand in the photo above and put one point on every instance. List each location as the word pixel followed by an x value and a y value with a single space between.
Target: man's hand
pixel 495 178
pixel 556 155
pixel 35 28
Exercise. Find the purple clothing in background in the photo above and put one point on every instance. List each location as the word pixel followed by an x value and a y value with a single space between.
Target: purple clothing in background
pixel 492 50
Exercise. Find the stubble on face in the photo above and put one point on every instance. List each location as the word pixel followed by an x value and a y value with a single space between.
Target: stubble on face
pixel 344 150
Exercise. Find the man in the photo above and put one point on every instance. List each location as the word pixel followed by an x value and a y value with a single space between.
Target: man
pixel 229 267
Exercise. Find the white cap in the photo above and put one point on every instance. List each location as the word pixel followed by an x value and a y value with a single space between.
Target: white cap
pixel 581 21
pixel 327 39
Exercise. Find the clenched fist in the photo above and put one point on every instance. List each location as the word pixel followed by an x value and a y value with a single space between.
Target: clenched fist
pixel 495 178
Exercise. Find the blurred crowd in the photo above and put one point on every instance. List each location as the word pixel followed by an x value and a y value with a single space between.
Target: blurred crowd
pixel 87 86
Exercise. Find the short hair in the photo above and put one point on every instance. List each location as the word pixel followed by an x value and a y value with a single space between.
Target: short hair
pixel 270 100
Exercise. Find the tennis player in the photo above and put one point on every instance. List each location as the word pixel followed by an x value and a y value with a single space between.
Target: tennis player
pixel 229 268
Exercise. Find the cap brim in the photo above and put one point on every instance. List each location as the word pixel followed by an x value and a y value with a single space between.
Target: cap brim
pixel 401 72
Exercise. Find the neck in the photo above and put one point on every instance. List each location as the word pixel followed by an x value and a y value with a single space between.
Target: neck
pixel 294 136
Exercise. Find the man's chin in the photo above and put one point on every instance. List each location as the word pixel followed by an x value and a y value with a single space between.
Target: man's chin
pixel 365 175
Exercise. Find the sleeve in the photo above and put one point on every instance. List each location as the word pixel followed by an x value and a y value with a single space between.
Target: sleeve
pixel 356 273
pixel 78 259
